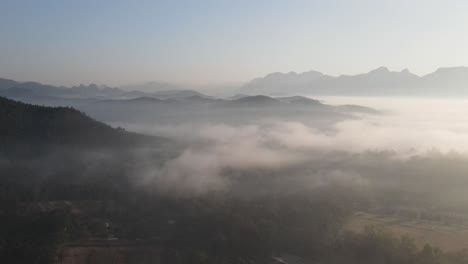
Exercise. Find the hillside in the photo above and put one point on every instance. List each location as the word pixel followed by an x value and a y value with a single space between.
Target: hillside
pixel 34 125
pixel 198 110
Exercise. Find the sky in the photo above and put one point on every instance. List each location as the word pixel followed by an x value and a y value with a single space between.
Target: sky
pixel 212 42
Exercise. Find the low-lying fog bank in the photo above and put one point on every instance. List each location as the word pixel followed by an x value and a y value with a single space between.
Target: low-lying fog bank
pixel 414 153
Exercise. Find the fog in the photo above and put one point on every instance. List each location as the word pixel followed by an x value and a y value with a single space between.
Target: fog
pixel 411 124
pixel 407 126
pixel 414 151
pixel 311 165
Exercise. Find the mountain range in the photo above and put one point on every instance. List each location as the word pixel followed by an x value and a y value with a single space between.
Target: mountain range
pixel 34 91
pixel 201 110
pixel 452 81
pixel 379 82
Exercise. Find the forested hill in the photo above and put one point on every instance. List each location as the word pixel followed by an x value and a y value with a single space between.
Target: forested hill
pixel 22 123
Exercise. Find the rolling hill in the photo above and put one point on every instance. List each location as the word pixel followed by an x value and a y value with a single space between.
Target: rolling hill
pixel 26 124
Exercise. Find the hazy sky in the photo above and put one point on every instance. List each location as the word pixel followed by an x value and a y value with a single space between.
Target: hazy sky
pixel 214 41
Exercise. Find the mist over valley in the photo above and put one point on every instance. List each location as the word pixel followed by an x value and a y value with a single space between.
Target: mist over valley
pixel 234 132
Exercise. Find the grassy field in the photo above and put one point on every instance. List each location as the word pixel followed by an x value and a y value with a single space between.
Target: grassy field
pixel 445 237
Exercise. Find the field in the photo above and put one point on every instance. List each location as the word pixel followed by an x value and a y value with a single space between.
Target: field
pixel 445 237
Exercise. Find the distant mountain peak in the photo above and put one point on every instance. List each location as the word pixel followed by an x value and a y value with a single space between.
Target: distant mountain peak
pixel 256 99
pixel 452 69
pixel 312 73
pixel 146 100
pixel 379 70
pixel 273 75
pixel 299 100
pixel 151 87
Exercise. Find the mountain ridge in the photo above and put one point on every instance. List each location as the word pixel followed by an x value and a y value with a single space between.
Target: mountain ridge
pixel 32 126
pixel 379 81
pixel 444 81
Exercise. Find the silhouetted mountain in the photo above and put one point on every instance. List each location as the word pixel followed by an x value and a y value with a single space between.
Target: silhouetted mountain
pixel 451 81
pixel 79 96
pixel 168 94
pixel 299 100
pixel 282 83
pixel 151 87
pixel 252 101
pixel 93 90
pixel 197 99
pixel 5 84
pixel 26 124
pixel 358 109
pixel 197 109
pixel 149 100
pixel 28 91
pixel 445 81
pixel 134 94
pixel 177 94
pixel 258 101
pixel 255 101
pixel 237 96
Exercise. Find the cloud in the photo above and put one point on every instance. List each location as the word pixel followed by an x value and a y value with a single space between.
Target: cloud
pixel 407 131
